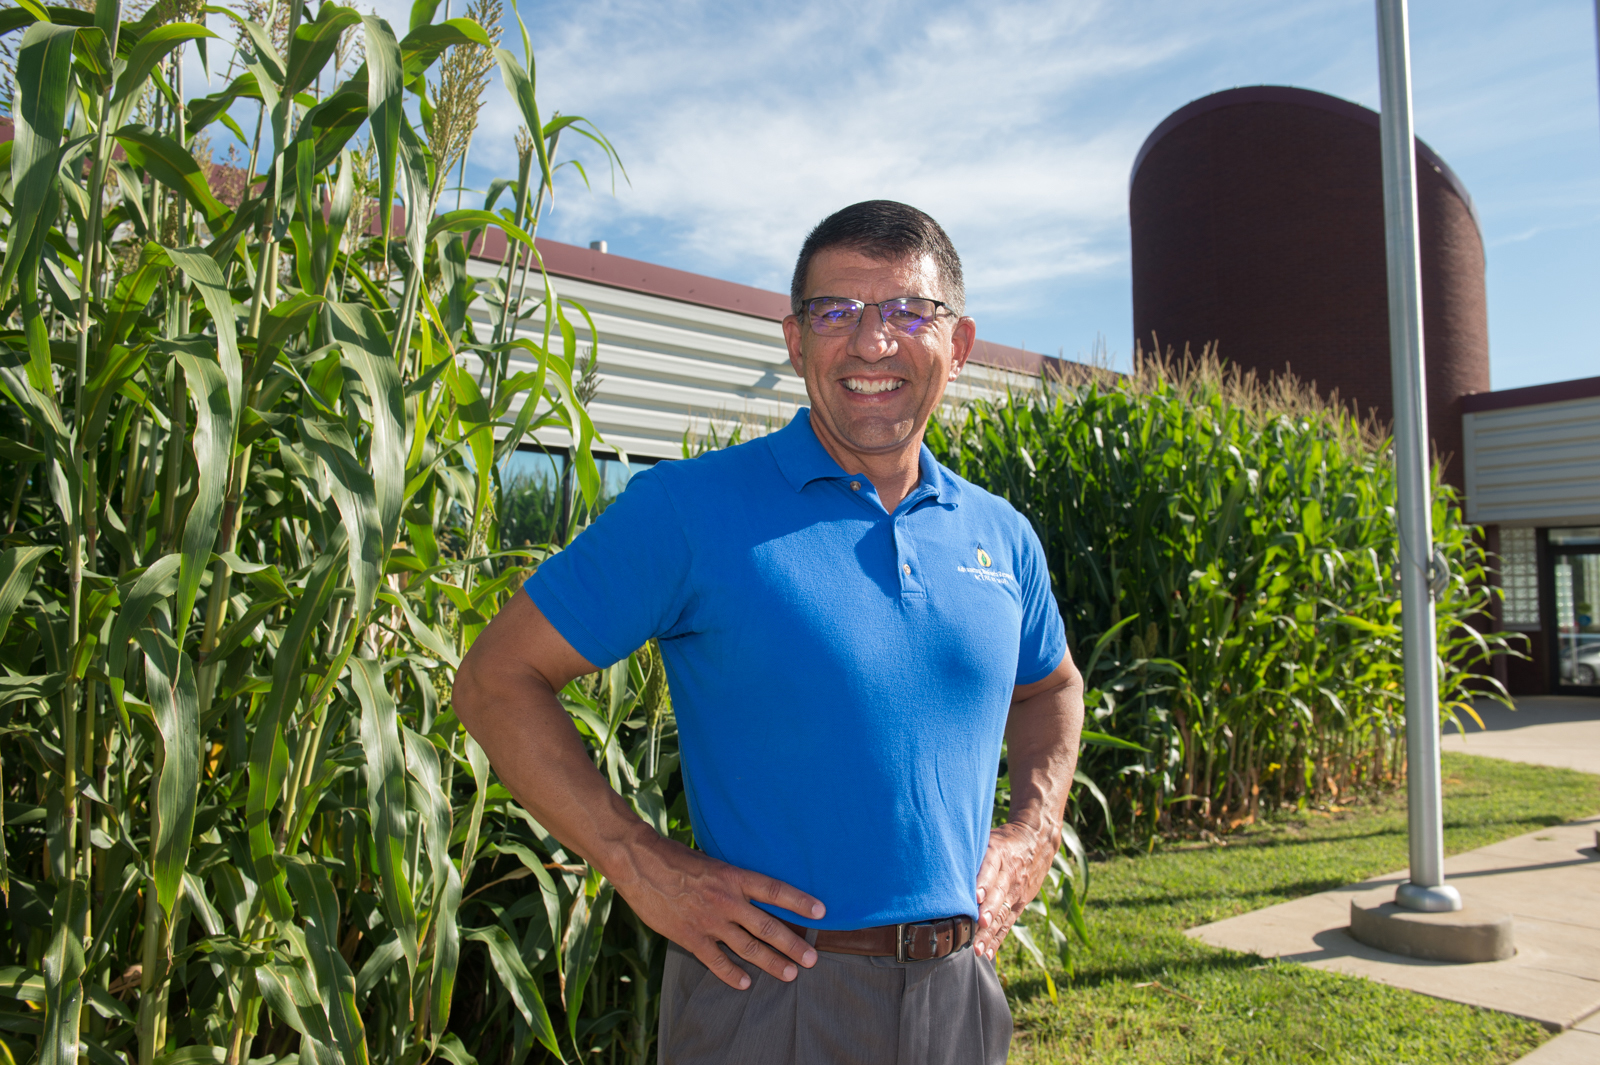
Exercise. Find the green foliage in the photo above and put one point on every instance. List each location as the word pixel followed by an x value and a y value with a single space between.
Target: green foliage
pixel 1149 994
pixel 1223 553
pixel 253 520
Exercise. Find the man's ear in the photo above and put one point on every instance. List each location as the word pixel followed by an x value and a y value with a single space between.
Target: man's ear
pixel 962 341
pixel 791 339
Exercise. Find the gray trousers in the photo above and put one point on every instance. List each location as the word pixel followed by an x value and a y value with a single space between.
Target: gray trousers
pixel 846 1010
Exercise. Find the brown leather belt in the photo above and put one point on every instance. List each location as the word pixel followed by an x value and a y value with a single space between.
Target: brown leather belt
pixel 923 941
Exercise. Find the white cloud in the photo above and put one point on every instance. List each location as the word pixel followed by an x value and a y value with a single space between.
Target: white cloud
pixel 742 128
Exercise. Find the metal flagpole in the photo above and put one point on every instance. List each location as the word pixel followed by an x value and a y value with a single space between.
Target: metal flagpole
pixel 1426 889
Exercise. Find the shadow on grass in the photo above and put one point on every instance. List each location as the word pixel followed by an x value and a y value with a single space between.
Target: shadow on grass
pixel 1277 834
pixel 1539 820
pixel 1168 897
pixel 1167 971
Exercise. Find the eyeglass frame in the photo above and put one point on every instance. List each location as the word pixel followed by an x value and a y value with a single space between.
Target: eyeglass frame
pixel 804 314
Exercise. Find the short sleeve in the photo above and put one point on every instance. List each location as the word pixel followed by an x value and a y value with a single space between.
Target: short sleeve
pixel 1044 637
pixel 621 581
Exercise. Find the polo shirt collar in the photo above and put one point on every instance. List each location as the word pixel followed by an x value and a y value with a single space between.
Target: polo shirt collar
pixel 946 489
pixel 803 459
pixel 800 455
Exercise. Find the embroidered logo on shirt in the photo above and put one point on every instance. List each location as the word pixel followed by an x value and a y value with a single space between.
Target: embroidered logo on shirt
pixel 985 571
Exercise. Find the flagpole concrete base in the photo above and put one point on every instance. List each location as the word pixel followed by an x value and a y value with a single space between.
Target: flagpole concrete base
pixel 1464 935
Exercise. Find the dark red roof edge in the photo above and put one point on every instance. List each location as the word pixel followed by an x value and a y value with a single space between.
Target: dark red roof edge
pixel 1532 395
pixel 634 275
pixel 1288 94
pixel 1032 363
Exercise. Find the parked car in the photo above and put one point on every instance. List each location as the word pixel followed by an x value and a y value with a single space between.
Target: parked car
pixel 1580 659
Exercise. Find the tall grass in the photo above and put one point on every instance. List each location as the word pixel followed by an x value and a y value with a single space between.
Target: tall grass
pixel 253 520
pixel 1223 550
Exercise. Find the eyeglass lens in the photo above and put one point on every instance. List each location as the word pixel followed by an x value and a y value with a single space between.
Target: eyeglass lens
pixel 832 315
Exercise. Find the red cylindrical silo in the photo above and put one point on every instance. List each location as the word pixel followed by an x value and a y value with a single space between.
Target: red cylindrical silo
pixel 1257 218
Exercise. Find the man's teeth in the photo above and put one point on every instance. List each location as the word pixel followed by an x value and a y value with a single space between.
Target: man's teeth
pixel 857 384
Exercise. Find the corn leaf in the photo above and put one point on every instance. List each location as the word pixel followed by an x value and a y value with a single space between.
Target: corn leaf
pixel 213 450
pixel 1024 937
pixel 16 574
pixel 43 74
pixel 171 164
pixel 585 925
pixel 519 79
pixel 269 754
pixel 523 989
pixel 386 799
pixel 152 48
pixel 385 88
pixel 169 679
pixel 203 271
pixel 63 976
pixel 153 586
pixel 362 336
pixel 314 44
pixel 355 494
pixel 291 994
pixel 319 906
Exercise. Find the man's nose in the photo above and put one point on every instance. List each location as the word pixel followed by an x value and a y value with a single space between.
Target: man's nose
pixel 871 340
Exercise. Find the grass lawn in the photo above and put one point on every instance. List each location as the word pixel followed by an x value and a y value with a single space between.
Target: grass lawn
pixel 1145 993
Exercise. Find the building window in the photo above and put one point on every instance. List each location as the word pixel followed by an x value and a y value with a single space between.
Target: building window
pixel 1519 579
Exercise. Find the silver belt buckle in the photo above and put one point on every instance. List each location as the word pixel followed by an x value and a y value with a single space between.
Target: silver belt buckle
pixel 900 942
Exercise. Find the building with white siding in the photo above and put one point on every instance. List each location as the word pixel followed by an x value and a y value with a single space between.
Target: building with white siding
pixel 681 353
pixel 1531 464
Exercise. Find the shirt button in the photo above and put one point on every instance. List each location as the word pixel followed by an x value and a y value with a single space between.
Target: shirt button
pixel 855 486
pixel 907 569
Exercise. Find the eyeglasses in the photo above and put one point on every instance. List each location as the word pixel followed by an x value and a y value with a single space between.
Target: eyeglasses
pixel 837 316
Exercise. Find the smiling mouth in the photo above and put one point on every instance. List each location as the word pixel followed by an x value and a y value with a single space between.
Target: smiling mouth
pixel 869 387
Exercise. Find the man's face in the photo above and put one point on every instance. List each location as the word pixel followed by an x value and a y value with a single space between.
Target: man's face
pixel 872 391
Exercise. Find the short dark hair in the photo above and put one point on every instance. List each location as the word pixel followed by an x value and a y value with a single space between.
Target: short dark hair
pixel 887 231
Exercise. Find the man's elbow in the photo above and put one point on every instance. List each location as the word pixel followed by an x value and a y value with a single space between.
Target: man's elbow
pixel 1073 686
pixel 1067 688
pixel 467 695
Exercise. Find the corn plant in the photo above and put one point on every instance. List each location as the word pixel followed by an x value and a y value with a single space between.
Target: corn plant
pixel 254 443
pixel 1224 555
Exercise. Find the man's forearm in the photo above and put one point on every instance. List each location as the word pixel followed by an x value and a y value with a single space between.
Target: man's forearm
pixel 539 756
pixel 1041 752
pixel 1042 737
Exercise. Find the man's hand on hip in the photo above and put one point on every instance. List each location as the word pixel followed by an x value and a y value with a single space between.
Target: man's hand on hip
pixel 1042 750
pixel 1013 871
pixel 702 904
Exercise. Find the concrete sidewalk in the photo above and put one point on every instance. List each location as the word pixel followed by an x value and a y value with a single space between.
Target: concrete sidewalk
pixel 1548 880
pixel 1557 730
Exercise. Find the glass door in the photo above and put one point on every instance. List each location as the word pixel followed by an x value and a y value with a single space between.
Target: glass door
pixel 1575 561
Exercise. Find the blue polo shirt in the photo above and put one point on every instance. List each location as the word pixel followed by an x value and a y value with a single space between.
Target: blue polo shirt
pixel 841 675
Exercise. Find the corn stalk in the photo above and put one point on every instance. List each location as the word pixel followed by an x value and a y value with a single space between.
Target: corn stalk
pixel 254 522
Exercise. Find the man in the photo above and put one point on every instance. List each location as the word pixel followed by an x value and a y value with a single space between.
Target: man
pixel 849 630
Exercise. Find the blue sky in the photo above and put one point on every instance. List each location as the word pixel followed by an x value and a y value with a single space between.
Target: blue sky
pixel 1015 124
